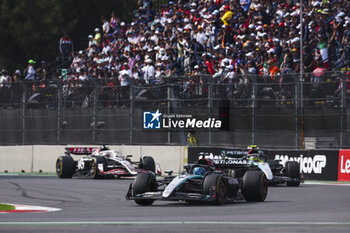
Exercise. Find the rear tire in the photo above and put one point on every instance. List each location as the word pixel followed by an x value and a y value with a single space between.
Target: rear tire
pixel 221 189
pixel 144 182
pixel 65 167
pixel 94 171
pixel 293 171
pixel 254 186
pixel 148 163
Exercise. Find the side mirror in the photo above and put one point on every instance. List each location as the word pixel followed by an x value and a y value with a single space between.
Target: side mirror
pixel 158 170
pixel 187 167
pixel 169 172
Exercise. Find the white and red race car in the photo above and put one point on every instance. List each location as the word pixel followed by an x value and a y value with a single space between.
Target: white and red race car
pixel 101 162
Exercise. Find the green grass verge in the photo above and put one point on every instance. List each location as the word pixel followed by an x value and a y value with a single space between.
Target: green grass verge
pixel 5 207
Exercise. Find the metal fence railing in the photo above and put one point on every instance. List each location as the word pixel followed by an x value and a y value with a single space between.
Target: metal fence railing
pixel 280 112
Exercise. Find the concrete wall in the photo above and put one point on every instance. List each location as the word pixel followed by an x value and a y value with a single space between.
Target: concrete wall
pixel 43 158
pixel 16 158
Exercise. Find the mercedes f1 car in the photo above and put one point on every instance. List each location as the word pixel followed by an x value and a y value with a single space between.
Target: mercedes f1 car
pixel 200 182
pixel 101 162
pixel 288 173
pixel 255 159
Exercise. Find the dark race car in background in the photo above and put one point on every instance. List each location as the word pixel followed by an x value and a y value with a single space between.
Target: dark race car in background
pixel 200 182
pixel 101 162
pixel 275 172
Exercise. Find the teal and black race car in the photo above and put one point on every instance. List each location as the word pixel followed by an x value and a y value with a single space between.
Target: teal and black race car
pixel 200 182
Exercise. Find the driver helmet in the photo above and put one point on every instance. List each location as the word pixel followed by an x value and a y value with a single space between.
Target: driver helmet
pixel 253 149
pixel 199 171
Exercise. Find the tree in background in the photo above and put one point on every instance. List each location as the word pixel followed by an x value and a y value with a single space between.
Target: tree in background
pixel 32 28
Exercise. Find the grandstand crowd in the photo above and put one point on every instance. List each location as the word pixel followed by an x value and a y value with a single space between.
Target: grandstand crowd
pixel 217 41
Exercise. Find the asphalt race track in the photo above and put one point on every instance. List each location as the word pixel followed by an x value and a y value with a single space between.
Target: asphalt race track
pixel 100 206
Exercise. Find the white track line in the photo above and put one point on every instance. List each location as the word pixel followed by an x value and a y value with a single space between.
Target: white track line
pixel 334 184
pixel 179 223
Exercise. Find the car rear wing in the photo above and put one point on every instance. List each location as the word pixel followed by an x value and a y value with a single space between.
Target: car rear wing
pixel 81 150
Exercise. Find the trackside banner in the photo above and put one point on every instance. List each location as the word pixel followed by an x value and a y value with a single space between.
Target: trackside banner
pixel 344 165
pixel 314 164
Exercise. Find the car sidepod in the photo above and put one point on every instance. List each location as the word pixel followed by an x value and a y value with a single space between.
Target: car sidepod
pixel 177 182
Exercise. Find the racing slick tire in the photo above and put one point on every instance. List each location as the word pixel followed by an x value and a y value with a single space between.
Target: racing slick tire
pixel 221 189
pixel 65 167
pixel 95 171
pixel 148 163
pixel 254 186
pixel 293 171
pixel 144 182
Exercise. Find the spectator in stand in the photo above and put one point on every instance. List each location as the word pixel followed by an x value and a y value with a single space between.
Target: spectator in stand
pixel 344 59
pixel 5 79
pixel 213 36
pixel 83 75
pixel 17 75
pixel 274 70
pixel 114 23
pixel 228 80
pixel 66 49
pixel 16 89
pixel 42 71
pixel 125 76
pixel 91 41
pixel 98 37
pixel 148 72
pixel 227 15
pixel 105 26
pixel 209 63
pixel 30 71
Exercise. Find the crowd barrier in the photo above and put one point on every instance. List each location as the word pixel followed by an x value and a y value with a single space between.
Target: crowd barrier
pixel 258 111
pixel 332 165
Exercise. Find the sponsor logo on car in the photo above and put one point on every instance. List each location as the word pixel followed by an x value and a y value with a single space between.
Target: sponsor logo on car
pixel 344 165
pixel 307 164
pixel 218 159
pixel 81 150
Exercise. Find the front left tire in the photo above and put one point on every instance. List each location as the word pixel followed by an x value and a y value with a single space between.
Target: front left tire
pixel 144 182
pixel 218 182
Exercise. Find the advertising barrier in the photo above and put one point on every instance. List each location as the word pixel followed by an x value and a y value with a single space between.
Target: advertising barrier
pixel 314 164
pixel 344 165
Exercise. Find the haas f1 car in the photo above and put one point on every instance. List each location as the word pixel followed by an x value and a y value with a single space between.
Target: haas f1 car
pixel 101 162
pixel 200 182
